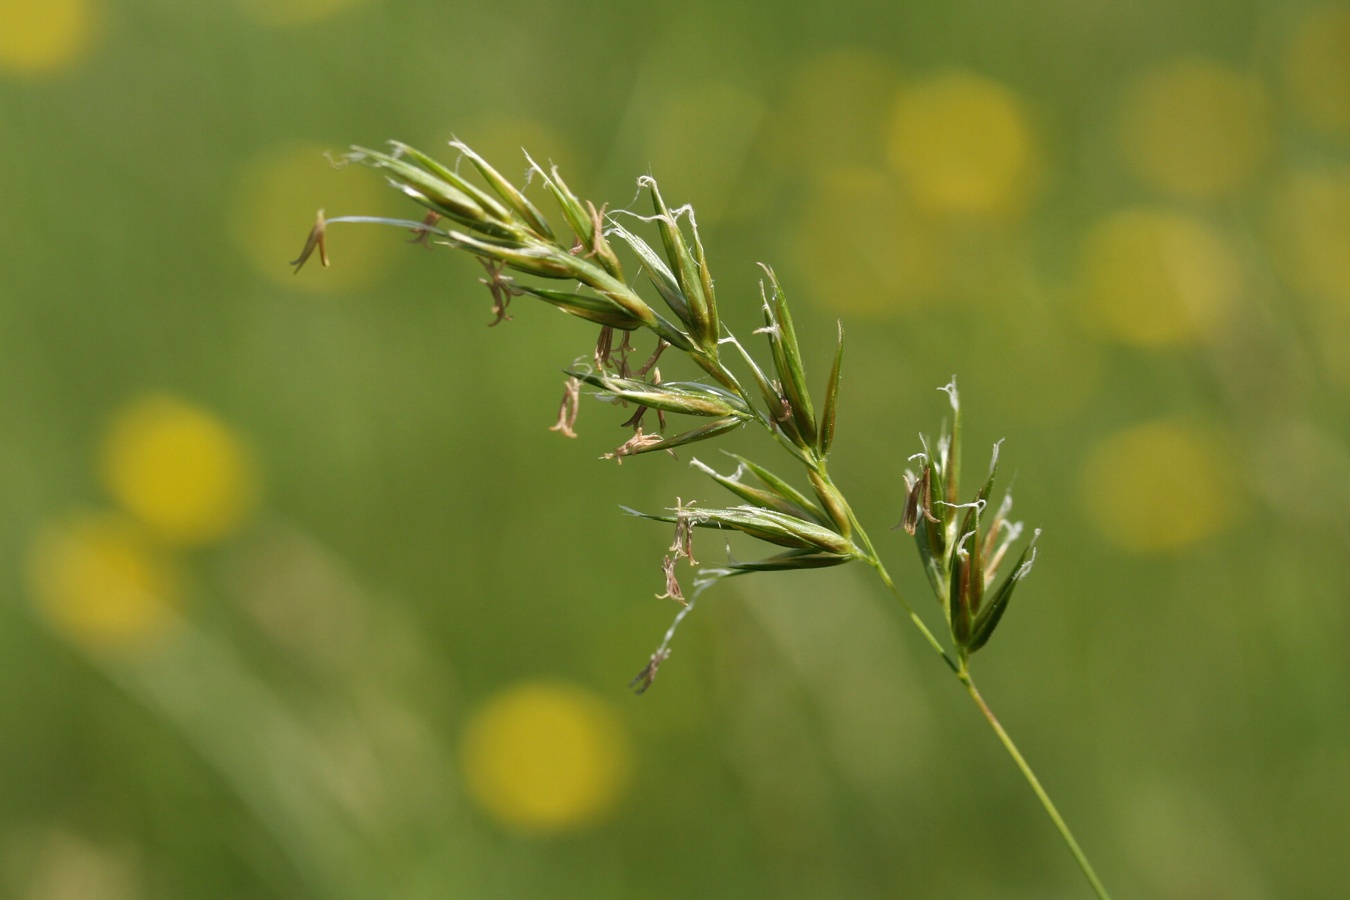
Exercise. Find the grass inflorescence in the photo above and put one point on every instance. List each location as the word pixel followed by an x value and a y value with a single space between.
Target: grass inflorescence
pixel 964 544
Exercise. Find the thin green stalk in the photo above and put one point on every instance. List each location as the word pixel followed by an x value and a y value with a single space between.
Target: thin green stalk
pixel 963 675
pixel 1036 787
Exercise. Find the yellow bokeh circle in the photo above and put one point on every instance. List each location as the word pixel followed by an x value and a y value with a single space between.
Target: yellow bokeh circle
pixel 101 582
pixel 1195 128
pixel 1159 486
pixel 42 36
pixel 178 469
pixel 545 757
pixel 964 144
pixel 1153 277
pixel 1311 231
pixel 285 13
pixel 273 206
pixel 1317 69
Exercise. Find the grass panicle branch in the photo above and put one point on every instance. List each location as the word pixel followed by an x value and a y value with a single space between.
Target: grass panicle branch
pixel 964 547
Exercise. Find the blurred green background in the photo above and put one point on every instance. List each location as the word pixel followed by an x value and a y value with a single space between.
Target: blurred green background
pixel 303 600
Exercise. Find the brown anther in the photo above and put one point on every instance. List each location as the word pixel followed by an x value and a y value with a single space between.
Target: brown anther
pixel 635 420
pixel 318 236
pixel 910 520
pixel 684 533
pixel 502 288
pixel 623 350
pixel 646 367
pixel 635 444
pixel 423 234
pixel 604 347
pixel 926 496
pixel 568 408
pixel 673 591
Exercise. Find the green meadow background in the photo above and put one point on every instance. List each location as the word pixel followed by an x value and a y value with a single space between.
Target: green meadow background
pixel 300 598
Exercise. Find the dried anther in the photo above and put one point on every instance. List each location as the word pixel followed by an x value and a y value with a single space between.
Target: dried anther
pixel 318 238
pixel 502 288
pixel 635 420
pixel 646 367
pixel 645 678
pixel 612 358
pixel 673 591
pixel 625 347
pixel 568 408
pixel 684 532
pixel 635 444
pixel 604 347
pixel 423 234
pixel 918 500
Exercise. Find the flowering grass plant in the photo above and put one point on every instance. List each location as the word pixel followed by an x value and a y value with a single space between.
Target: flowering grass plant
pixel 967 546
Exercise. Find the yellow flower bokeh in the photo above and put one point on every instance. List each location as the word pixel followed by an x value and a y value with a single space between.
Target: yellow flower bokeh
pixel 273 210
pixel 178 469
pixel 101 582
pixel 1311 232
pixel 1153 277
pixel 1195 128
pixel 42 36
pixel 545 757
pixel 1317 69
pixel 1159 486
pixel 964 145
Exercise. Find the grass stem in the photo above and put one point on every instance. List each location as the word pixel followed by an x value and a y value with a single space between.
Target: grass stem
pixel 1036 787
